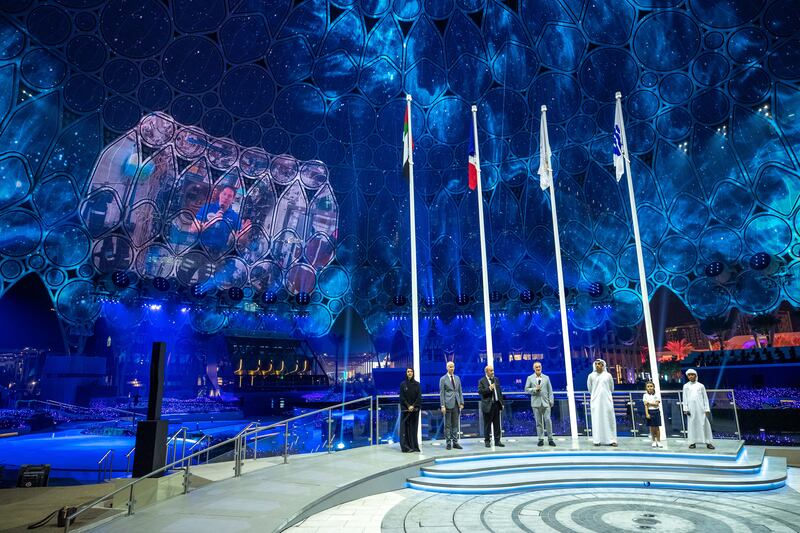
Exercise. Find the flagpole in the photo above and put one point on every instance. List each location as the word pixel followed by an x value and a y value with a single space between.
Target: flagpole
pixel 648 321
pixel 487 320
pixel 544 155
pixel 414 288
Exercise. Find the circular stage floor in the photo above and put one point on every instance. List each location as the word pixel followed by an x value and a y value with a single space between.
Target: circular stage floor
pixel 566 510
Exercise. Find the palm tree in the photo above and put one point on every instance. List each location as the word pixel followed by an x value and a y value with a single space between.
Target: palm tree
pixel 717 327
pixel 680 349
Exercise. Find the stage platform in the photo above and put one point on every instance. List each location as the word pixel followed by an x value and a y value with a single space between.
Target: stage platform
pixel 276 496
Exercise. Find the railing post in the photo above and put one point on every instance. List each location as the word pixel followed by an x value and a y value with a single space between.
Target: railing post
pixel 286 443
pixel 330 437
pixel 371 429
pixel 131 502
pixel 377 420
pixel 255 446
pixel 684 433
pixel 183 448
pixel 585 414
pixel 634 431
pixel 237 458
pixel 186 479
pixel 736 415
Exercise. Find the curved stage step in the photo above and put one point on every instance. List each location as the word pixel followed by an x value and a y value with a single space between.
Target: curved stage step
pixel 742 470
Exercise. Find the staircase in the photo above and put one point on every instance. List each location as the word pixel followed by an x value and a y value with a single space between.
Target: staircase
pixel 739 470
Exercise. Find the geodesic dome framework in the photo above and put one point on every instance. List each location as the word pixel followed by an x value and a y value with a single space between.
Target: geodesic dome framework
pixel 711 99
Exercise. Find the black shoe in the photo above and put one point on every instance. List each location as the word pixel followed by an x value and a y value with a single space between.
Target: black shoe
pixel 540 443
pixel 500 444
pixel 416 450
pixel 710 447
pixel 487 444
pixel 457 446
pixel 449 446
pixel 692 446
pixel 551 442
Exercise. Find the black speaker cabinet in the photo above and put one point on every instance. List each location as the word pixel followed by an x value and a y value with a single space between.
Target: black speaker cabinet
pixel 151 447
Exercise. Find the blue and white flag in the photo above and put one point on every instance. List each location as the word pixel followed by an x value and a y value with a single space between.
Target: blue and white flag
pixel 545 168
pixel 620 145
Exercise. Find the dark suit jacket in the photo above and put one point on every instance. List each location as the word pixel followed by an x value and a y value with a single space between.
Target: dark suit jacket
pixel 487 395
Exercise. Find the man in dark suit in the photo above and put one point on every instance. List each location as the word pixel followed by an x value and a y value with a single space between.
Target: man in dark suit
pixel 410 401
pixel 491 405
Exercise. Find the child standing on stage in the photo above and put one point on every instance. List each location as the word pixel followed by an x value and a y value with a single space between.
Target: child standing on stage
pixel 652 414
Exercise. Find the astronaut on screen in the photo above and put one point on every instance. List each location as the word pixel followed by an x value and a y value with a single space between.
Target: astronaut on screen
pixel 218 221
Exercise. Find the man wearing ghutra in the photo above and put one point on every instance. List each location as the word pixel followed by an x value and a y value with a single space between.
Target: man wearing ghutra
pixel 604 425
pixel 697 410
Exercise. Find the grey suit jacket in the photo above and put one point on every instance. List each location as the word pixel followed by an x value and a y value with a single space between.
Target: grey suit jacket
pixel 450 397
pixel 542 398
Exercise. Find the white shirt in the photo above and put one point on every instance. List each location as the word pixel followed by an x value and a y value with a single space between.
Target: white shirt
pixel 650 400
pixel 495 389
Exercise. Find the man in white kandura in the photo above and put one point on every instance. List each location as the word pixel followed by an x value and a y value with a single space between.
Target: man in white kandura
pixel 697 410
pixel 604 425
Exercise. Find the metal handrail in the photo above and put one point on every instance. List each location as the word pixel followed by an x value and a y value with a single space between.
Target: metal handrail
pixel 174 440
pixel 196 444
pixel 101 471
pixel 556 392
pixel 128 460
pixel 311 413
pixel 186 461
pixel 583 397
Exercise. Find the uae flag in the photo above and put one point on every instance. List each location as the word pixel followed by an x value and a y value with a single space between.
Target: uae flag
pixel 408 145
pixel 473 164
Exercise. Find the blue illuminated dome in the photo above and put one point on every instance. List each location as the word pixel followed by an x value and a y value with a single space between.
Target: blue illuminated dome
pixel 125 127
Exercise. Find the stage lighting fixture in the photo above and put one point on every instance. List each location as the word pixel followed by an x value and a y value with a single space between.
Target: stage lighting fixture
pixel 161 284
pixel 526 296
pixel 462 299
pixel 495 296
pixel 399 300
pixel 429 301
pixel 235 294
pixel 120 279
pixel 302 298
pixel 198 291
pixel 269 298
pixel 760 261
pixel 714 269
pixel 595 289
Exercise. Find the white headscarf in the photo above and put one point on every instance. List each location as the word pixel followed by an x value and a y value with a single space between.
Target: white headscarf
pixel 691 371
pixel 605 366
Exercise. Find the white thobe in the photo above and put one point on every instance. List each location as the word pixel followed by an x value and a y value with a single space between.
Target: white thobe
pixel 695 402
pixel 604 425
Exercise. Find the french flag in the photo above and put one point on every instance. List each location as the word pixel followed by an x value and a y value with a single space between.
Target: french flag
pixel 473 164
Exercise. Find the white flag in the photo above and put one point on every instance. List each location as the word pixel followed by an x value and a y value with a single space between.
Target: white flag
pixel 545 170
pixel 620 146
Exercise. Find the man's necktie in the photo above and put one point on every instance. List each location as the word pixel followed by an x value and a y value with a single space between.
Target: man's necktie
pixel 452 381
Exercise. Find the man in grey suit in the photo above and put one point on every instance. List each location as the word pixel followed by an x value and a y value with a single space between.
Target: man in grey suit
pixel 452 401
pixel 541 391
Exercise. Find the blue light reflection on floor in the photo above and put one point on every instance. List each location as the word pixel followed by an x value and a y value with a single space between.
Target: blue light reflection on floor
pixel 75 455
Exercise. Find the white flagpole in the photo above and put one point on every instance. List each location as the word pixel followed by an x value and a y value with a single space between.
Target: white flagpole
pixel 413 229
pixel 487 320
pixel 545 167
pixel 648 321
